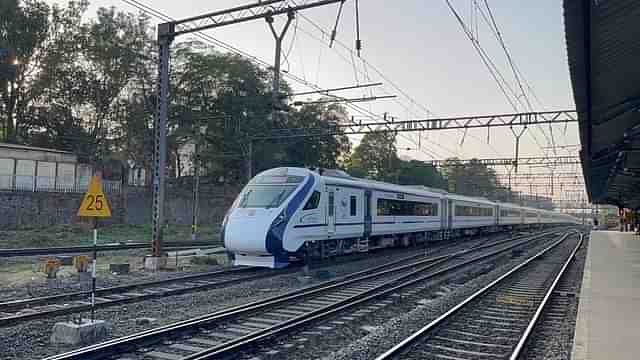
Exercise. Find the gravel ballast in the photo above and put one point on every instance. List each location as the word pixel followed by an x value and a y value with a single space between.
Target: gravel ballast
pixel 31 340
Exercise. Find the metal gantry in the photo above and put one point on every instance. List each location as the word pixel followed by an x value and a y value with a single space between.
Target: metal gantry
pixel 167 32
pixel 447 123
pixel 529 161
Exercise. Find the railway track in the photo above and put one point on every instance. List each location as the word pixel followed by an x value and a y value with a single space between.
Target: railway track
pixel 83 249
pixel 13 312
pixel 496 321
pixel 556 322
pixel 237 328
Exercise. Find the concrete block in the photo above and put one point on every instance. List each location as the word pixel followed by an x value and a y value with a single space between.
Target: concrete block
pixel 172 254
pixel 119 268
pixel 84 333
pixel 155 263
pixel 136 263
pixel 173 263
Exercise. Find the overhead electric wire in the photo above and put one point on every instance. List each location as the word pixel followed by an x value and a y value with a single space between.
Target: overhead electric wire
pixel 211 39
pixel 491 67
pixel 377 71
pixel 228 47
pixel 493 26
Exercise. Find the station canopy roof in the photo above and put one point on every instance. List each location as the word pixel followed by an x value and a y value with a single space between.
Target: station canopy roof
pixel 603 48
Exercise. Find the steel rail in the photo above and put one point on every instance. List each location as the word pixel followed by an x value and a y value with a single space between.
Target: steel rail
pixel 404 344
pixel 303 320
pixel 152 335
pixel 101 248
pixel 11 320
pixel 527 333
pixel 10 306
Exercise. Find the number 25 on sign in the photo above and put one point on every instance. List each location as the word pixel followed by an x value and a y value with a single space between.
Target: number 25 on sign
pixel 94 203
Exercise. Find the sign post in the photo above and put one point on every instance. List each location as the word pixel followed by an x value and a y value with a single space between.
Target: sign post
pixel 94 204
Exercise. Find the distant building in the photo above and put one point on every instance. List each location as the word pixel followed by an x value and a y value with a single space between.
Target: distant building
pixel 184 161
pixel 29 168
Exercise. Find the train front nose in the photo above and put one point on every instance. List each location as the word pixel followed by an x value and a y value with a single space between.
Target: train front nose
pixel 245 235
pixel 246 230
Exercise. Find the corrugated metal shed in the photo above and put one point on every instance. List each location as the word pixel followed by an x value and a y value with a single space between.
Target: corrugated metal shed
pixel 603 46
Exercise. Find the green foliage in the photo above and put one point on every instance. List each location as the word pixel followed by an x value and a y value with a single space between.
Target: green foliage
pixel 23 29
pixel 375 157
pixel 232 98
pixel 414 172
pixel 88 86
pixel 322 152
pixel 473 179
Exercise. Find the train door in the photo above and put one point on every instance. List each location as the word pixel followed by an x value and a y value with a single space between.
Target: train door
pixel 443 214
pixel 331 210
pixel 367 213
pixel 449 213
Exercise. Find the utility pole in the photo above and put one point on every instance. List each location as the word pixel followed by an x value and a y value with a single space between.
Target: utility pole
pixel 276 64
pixel 517 136
pixel 167 32
pixel 199 131
pixel 249 159
pixel 165 38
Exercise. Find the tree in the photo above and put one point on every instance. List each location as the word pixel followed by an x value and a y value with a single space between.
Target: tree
pixel 24 27
pixel 415 172
pixel 473 179
pixel 325 151
pixel 375 157
pixel 76 77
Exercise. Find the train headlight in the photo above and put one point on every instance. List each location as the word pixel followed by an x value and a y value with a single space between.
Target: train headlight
pixel 279 220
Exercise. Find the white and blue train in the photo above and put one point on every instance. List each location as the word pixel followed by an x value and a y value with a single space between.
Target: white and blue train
pixel 295 212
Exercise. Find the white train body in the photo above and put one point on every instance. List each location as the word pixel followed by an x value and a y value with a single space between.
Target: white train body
pixel 286 212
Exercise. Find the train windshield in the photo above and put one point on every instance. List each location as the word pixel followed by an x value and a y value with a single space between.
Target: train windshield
pixel 264 196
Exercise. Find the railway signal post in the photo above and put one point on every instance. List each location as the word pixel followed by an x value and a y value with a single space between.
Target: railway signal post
pixel 95 205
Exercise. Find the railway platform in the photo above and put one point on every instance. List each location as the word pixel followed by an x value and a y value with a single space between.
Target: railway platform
pixel 608 323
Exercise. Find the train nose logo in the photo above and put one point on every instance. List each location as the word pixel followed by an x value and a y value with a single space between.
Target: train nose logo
pixel 251 212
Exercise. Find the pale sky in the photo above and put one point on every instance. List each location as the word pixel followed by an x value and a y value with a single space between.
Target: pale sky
pixel 419 45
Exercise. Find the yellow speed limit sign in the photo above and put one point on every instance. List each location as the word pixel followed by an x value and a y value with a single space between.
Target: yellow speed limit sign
pixel 94 203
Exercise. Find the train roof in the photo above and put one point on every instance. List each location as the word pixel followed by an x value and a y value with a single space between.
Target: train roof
pixel 480 200
pixel 340 177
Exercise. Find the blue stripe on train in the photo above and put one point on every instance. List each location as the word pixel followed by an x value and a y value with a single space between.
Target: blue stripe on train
pixel 276 231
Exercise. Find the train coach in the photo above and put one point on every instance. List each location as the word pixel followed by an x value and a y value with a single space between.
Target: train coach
pixel 296 212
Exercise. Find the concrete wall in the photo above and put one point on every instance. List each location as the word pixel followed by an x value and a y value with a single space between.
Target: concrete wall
pixel 25 209
pixel 179 206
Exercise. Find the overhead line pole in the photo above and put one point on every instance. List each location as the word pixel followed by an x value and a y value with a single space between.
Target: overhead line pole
pixel 167 32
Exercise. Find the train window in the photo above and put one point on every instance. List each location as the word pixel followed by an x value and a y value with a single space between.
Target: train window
pixel 509 213
pixel 532 214
pixel 331 203
pixel 389 207
pixel 313 201
pixel 473 211
pixel 352 207
pixel 264 196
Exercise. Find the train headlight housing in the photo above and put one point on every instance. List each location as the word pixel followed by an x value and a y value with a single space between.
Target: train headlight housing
pixel 279 220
